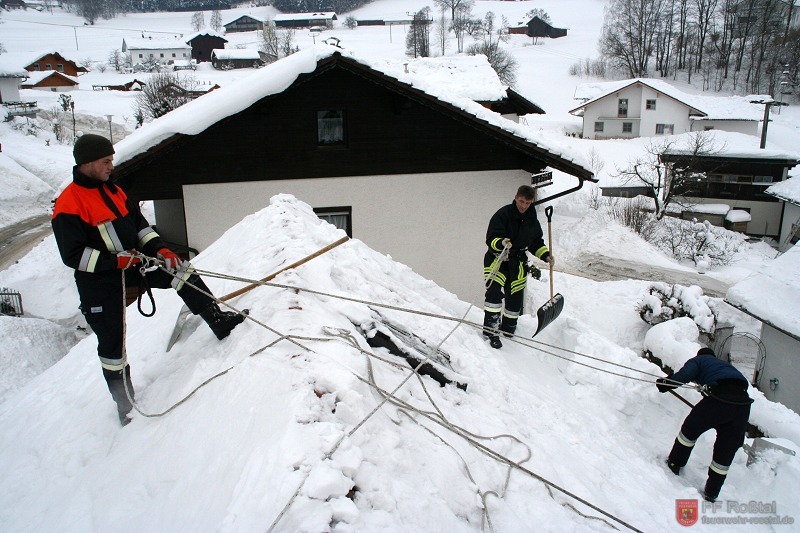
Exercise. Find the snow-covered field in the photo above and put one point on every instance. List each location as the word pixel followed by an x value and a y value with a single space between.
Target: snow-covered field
pixel 288 439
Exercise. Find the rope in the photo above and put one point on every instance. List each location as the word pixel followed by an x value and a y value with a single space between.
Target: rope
pixel 391 397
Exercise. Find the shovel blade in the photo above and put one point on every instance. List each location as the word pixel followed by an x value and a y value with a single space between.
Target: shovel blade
pixel 549 312
pixel 176 331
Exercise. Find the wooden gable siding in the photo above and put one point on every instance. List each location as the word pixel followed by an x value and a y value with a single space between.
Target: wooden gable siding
pixel 70 67
pixel 202 45
pixel 388 132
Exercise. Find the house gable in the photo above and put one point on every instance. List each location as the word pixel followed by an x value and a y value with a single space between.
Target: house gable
pixel 57 62
pixel 390 127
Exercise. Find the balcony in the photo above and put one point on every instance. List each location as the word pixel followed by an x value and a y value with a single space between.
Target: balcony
pixel 20 109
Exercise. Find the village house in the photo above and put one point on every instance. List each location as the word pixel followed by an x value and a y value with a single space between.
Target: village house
pixel 139 50
pixel 788 192
pixel 44 61
pixel 305 20
pixel 11 76
pixel 651 108
pixel 245 23
pixel 403 165
pixel 231 58
pixel 772 296
pixel 50 80
pixel 203 43
pixel 538 28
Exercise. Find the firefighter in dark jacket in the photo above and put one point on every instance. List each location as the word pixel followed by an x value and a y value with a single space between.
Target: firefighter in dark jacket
pixel 515 227
pixel 96 226
pixel 725 407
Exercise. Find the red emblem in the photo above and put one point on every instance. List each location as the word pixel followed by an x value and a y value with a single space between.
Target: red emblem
pixel 687 512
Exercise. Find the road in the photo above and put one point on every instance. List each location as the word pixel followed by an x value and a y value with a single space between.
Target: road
pixel 18 239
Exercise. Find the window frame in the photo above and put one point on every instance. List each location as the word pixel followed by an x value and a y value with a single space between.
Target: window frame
pixel 627 127
pixel 622 107
pixel 648 106
pixel 338 143
pixel 599 126
pixel 345 210
pixel 664 128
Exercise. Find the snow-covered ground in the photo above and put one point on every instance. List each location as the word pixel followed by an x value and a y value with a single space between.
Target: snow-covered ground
pixel 286 439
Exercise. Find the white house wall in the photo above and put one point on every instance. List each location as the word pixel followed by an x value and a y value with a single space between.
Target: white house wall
pixel 748 127
pixel 791 216
pixel 9 89
pixel 782 363
pixel 180 53
pixel 668 111
pixel 434 223
pixel 765 217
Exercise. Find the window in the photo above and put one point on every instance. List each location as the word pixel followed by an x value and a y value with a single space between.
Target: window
pixel 60 68
pixel 161 55
pixel 330 127
pixel 650 104
pixel 48 66
pixel 36 66
pixel 173 54
pixel 627 127
pixel 598 126
pixel 341 217
pixel 665 129
pixel 762 179
pixel 622 108
pixel 140 56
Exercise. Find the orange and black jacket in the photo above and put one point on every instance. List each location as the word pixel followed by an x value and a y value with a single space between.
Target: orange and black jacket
pixel 92 221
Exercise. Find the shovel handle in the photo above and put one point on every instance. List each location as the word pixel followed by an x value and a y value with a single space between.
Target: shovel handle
pixel 306 259
pixel 548 212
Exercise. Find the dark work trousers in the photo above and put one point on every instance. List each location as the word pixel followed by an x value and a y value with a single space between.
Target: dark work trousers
pixel 729 420
pixel 101 304
pixel 509 285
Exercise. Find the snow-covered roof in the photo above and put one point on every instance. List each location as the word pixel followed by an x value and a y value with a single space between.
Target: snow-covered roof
pixel 709 209
pixel 738 215
pixel 155 44
pixel 259 19
pixel 37 76
pixel 326 15
pixel 207 33
pixel 710 107
pixel 236 53
pixel 198 115
pixel 773 294
pixel 463 76
pixel 788 190
pixel 10 67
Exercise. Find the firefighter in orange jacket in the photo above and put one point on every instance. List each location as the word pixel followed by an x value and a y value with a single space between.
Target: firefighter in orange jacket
pixel 95 223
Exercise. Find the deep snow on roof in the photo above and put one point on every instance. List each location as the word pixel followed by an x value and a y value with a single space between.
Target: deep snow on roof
pixel 37 76
pixel 201 113
pixel 773 293
pixel 788 190
pixel 137 43
pixel 236 53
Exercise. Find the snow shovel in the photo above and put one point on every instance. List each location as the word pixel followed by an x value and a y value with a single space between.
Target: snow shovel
pixel 553 307
pixel 184 314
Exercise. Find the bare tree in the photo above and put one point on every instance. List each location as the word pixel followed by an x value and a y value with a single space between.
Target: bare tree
pixel 442 30
pixel 491 35
pixel 538 12
pixel 270 43
pixel 198 21
pixel 463 25
pixel 116 59
pixel 164 92
pixel 629 33
pixel 454 6
pixel 216 20
pixel 667 183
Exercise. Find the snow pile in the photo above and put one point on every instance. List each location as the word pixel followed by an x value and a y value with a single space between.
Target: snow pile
pixel 289 427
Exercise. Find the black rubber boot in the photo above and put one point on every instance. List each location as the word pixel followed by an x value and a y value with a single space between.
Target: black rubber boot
pixel 508 326
pixel 673 467
pixel 221 322
pixel 491 325
pixel 116 386
pixel 713 485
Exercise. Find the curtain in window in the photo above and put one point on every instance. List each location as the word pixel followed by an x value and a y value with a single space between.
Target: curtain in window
pixel 330 127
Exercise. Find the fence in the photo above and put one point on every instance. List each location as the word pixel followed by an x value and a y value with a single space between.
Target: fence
pixel 10 303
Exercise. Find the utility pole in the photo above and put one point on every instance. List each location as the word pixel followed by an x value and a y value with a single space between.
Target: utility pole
pixel 767 102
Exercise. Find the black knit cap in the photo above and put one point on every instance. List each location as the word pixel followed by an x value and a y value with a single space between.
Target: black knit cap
pixel 706 351
pixel 90 147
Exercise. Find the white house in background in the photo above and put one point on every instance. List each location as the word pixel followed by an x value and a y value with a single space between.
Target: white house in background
pixel 649 108
pixel 11 76
pixel 139 50
pixel 789 193
pixel 772 296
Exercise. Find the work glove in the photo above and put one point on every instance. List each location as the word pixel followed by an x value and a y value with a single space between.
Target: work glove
pixel 664 385
pixel 506 243
pixel 170 258
pixel 547 257
pixel 127 259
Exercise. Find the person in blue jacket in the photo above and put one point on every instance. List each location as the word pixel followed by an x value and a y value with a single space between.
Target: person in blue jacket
pixel 725 407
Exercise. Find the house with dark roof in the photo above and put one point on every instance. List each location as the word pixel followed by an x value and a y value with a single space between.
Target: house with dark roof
pixel 537 27
pixel 652 108
pixel 55 61
pixel 305 20
pixel 409 170
pixel 245 23
pixel 203 43
pixel 50 80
